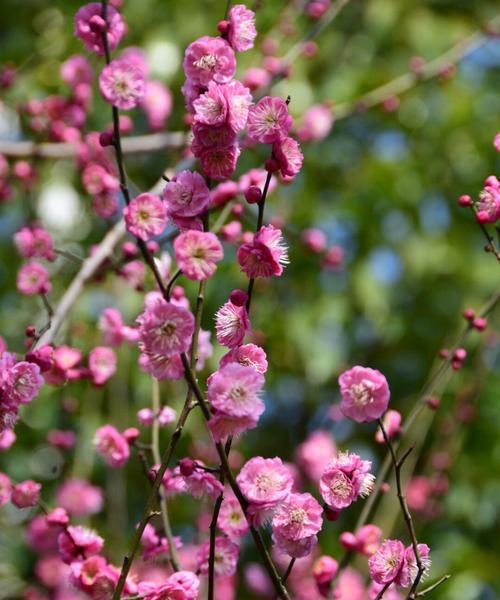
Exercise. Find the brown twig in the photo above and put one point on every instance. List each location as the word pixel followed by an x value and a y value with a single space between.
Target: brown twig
pixel 432 587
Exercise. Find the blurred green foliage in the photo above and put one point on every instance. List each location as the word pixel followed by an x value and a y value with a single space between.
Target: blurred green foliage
pixel 382 185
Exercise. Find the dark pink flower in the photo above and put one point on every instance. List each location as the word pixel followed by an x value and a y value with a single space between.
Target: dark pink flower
pixel 186 195
pixel 248 355
pixel 219 162
pixel 242 30
pixel 33 278
pixel 165 328
pixel 112 446
pixel 209 59
pixel 287 152
pixel 102 364
pixel 231 324
pixel 269 120
pixel 145 216
pixel 197 253
pixel 265 255
pixel 89 28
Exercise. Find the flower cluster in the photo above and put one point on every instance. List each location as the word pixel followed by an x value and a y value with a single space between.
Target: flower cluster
pixel 393 563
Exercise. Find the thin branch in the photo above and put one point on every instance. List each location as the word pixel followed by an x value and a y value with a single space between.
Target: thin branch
pixel 432 587
pixel 288 570
pixel 380 595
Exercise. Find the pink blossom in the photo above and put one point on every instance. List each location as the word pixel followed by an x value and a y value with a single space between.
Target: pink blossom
pixel 188 581
pixel 122 84
pixel 365 394
pixel 269 120
pixel 76 70
pixel 5 488
pixel 287 152
pixel 202 483
pixel 392 425
pixel 248 355
pixel 298 517
pixel 223 425
pixel 78 542
pixel 231 324
pixel 226 557
pixel 488 204
pixel 94 577
pixel 231 519
pixel 391 593
pixel 20 382
pixel 207 136
pixel 317 122
pixel 242 30
pixel 234 390
pixel 112 446
pixel 33 240
pixel 162 367
pixel 197 253
pixel 102 364
pixel 145 216
pixel 25 494
pixel 366 540
pixel 265 482
pixel 409 570
pixel 386 564
pixel 496 142
pixel 314 239
pixel 89 29
pixel 344 479
pixel 33 278
pixel 79 497
pixel 256 77
pixel 51 571
pixel 209 59
pixel 257 178
pixel 105 205
pixel 97 180
pixel 157 104
pixel 223 104
pixel 186 195
pixel 266 255
pixel 165 328
pixel 7 439
pixel 315 452
pixel 324 570
pixel 222 193
pixel 219 162
pixel 112 327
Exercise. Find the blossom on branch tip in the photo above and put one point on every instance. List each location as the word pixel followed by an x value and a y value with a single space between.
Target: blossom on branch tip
pixel 209 59
pixel 365 394
pixel 231 324
pixel 112 446
pixel 345 479
pixel 91 35
pixel 186 195
pixel 165 328
pixel 266 255
pixel 269 120
pixel 242 32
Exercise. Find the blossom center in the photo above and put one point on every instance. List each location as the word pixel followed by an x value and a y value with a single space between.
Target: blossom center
pixel 208 62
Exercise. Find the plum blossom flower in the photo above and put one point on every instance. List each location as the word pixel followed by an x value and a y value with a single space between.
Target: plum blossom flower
pixel 79 497
pixel 266 255
pixel 287 152
pixel 94 576
pixel 77 541
pixel 7 439
pixel 89 26
pixel 33 278
pixel 226 557
pixel 160 366
pixel 242 30
pixel 366 540
pixel 165 328
pixel 111 445
pixel 248 355
pixel 223 104
pixel 157 104
pixel 231 519
pixel 265 482
pixel 344 479
pixel 269 120
pixel 219 162
pixel 206 136
pixel 76 70
pixel 392 425
pixel 197 253
pixel 209 59
pixel 186 195
pixel 315 452
pixel 488 205
pixel 231 324
pixel 33 240
pixel 410 568
pixel 365 394
pixel 145 216
pixel 102 364
pixel 386 564
pixel 317 123
pixel 223 425
pixel 122 84
pixel 25 494
pixel 234 390
pixel 324 570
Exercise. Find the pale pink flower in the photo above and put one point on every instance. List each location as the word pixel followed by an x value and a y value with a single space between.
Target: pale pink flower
pixel 122 84
pixel 248 355
pixel 219 162
pixel 33 240
pixel 79 497
pixel 33 278
pixel 324 570
pixel 78 542
pixel 201 483
pixel 197 253
pixel 234 390
pixel 298 517
pixel 186 195
pixel 102 364
pixel 269 120
pixel 314 239
pixel 265 482
pixel 5 488
pixel 25 494
pixel 112 327
pixel 89 28
pixel 7 439
pixel 112 446
pixel 315 452
pixel 76 70
pixel 145 216
pixel 345 479
pixel 365 541
pixel 97 180
pixel 266 255
pixel 209 59
pixel 365 394
pixel 226 557
pixel 287 152
pixel 162 367
pixel 157 104
pixel 386 564
pixel 409 570
pixel 231 519
pixel 231 324
pixel 317 122
pixel 392 425
pixel 165 328
pixel 242 30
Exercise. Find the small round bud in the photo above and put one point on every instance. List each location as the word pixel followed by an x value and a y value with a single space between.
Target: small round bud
pixel 330 514
pixel 465 200
pixel 131 434
pixel 238 210
pixel 469 314
pixel 187 466
pixel 223 27
pixel 152 246
pixel 460 354
pixel 178 292
pixel 456 365
pixel 480 323
pixel 271 165
pixel 106 138
pixel 444 353
pixel 385 487
pixel 238 297
pixel 253 194
pixel 30 331
pixel 433 402
pixel 58 516
pixel 129 249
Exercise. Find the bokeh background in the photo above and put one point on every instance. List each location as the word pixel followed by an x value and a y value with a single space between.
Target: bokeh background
pixel 383 185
